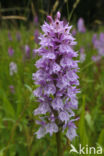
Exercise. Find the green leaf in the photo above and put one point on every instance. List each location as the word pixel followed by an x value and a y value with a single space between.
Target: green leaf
pixel 82 128
pixel 28 87
pixel 101 138
pixel 8 108
pixel 89 121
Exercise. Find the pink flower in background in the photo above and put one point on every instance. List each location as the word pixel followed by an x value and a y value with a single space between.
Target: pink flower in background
pixel 94 38
pixel 82 54
pixel 96 58
pixel 27 51
pixel 95 41
pixel 36 20
pixel 99 45
pixel 81 25
pixel 74 32
pixel 10 51
pixel 9 36
pixel 18 36
pixel 36 36
pixel 12 90
pixel 101 37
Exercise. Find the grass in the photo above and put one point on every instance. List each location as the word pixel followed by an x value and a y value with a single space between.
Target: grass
pixel 17 123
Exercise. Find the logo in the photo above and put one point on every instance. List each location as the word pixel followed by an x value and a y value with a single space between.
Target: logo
pixel 86 149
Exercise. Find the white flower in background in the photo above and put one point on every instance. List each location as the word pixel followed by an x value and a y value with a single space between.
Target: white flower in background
pixel 13 68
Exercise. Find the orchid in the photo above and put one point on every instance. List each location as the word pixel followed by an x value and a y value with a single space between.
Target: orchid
pixel 57 79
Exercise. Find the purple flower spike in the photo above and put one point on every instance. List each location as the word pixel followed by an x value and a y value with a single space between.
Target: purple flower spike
pixel 57 79
pixel 36 20
pixel 94 38
pixel 81 26
pixel 18 36
pixel 102 37
pixel 10 51
pixel 99 45
pixel 36 35
pixel 96 58
pixel 27 51
pixel 74 32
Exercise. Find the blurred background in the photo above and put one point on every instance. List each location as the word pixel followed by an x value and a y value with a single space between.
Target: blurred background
pixel 91 10
pixel 20 26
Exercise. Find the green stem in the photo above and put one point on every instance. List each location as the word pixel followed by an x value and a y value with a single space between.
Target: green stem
pixel 58 141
